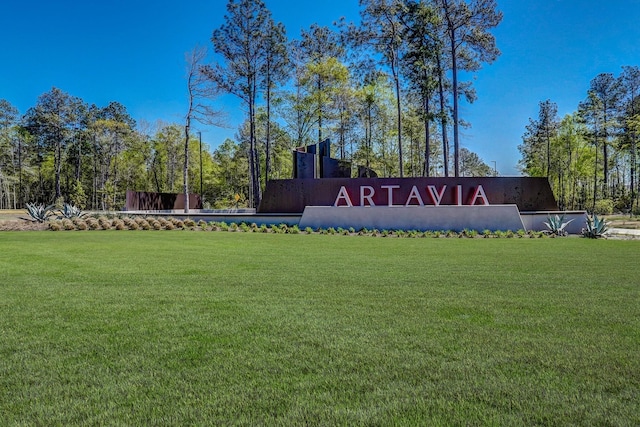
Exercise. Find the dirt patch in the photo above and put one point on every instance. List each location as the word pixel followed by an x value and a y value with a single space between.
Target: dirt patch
pixel 629 224
pixel 21 225
pixel 12 214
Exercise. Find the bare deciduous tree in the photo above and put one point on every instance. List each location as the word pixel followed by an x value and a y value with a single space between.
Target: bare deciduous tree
pixel 200 92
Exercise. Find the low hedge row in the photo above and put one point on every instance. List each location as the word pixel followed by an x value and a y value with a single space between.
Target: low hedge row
pixel 160 223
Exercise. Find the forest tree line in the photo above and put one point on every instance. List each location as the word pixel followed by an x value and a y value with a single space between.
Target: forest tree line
pixel 385 91
pixel 591 155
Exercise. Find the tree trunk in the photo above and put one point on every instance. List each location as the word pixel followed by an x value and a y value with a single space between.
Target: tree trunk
pixel 595 175
pixel 58 168
pixel 443 120
pixel 185 170
pixel 605 158
pixel 253 156
pixel 454 73
pixel 427 137
pixel 399 122
pixel 20 197
pixel 267 162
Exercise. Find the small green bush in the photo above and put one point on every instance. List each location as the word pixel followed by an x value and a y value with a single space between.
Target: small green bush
pixel 604 207
pixel 468 233
pixel 275 229
pixel 294 230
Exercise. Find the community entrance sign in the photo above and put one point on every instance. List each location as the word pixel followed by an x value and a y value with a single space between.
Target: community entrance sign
pixel 324 193
pixel 410 203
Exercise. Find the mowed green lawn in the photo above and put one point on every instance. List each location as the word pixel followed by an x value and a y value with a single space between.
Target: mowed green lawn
pixel 220 328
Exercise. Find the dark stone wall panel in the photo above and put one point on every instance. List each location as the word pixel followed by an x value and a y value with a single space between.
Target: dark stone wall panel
pixel 292 195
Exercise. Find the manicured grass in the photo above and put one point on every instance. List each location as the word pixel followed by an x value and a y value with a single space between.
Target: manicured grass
pixel 194 328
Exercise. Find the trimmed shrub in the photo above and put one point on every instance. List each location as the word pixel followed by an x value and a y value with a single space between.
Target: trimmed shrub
pixel 93 224
pixel 293 230
pixel 105 223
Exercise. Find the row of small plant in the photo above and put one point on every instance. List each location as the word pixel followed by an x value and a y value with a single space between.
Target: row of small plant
pixel 159 223
pixel 70 217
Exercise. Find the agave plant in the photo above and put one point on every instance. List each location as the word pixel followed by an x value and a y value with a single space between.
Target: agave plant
pixel 596 227
pixel 40 212
pixel 70 211
pixel 556 225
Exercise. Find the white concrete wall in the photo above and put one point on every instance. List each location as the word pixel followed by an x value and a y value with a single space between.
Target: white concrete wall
pixel 456 218
pixel 536 220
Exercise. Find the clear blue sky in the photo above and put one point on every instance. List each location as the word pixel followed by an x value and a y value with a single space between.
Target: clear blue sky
pixel 133 52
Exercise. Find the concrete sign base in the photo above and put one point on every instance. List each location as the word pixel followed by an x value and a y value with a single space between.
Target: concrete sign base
pixel 422 218
pixel 535 220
